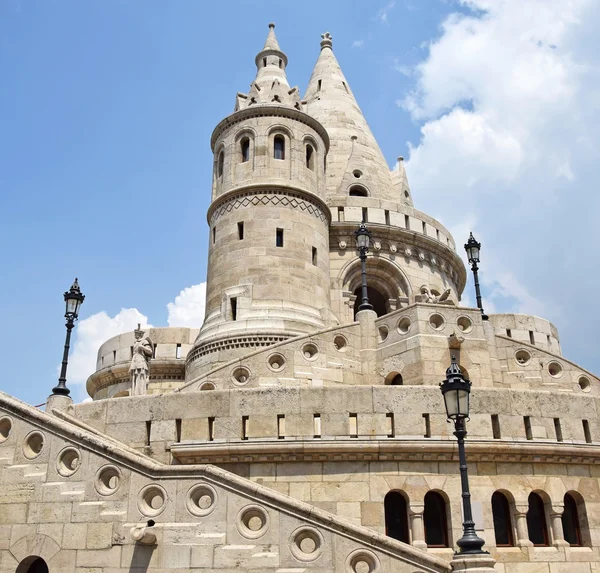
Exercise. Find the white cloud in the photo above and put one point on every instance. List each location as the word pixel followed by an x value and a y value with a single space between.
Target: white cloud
pixel 91 333
pixel 507 97
pixel 402 69
pixel 358 43
pixel 188 307
pixel 382 14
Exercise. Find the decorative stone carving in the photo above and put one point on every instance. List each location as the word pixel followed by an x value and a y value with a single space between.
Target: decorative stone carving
pixel 455 342
pixel 343 245
pixel 377 246
pixel 393 248
pixel 143 349
pixel 429 297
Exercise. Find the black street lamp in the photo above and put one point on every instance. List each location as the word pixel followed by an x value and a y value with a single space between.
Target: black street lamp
pixel 73 300
pixel 473 247
pixel 456 390
pixel 363 237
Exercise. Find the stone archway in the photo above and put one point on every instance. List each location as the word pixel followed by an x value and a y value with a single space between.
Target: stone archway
pixel 386 285
pixel 34 552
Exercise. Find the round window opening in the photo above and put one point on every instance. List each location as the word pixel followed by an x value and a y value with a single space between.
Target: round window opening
pixel 357 173
pixel 382 332
pixel 436 321
pixel 404 325
pixel 340 343
pixel 108 480
pixel 310 351
pixel 362 562
pixel 464 324
pixel 522 357
pixel 152 500
pixel 240 375
pixel 69 461
pixel 5 429
pixel 306 544
pixel 253 521
pixel 585 384
pixel 34 443
pixel 201 500
pixel 276 362
pixel 555 369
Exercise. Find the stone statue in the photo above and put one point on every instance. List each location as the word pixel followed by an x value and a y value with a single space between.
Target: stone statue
pixel 143 348
pixel 429 297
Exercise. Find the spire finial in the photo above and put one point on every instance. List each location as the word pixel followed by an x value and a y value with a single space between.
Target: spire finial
pixel 327 40
pixel 272 25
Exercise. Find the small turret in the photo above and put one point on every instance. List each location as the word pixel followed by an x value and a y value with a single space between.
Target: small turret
pixel 270 85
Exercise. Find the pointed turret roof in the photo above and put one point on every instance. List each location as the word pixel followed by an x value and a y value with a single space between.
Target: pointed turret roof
pixel 270 85
pixel 329 99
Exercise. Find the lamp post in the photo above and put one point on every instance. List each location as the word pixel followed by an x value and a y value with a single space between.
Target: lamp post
pixel 73 301
pixel 363 237
pixel 455 390
pixel 473 247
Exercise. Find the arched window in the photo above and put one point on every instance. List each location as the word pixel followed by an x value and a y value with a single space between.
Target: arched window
pixel 279 147
pixel 396 516
pixel 220 164
pixel 434 520
pixel 245 149
pixel 502 522
pixel 357 191
pixel 570 521
pixel 32 564
pixel 310 157
pixel 536 521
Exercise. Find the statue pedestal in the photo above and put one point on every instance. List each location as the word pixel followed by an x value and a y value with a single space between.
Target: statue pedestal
pixel 58 402
pixel 478 563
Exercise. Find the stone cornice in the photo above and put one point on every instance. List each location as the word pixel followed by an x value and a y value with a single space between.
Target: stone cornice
pixel 391 234
pixel 268 110
pixel 240 193
pixel 427 450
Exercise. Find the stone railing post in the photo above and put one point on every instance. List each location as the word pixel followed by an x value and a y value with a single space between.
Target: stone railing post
pixel 558 534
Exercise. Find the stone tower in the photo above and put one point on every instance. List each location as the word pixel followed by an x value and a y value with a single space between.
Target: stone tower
pixel 268 268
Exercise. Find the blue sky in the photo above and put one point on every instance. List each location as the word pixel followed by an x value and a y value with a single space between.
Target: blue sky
pixel 106 110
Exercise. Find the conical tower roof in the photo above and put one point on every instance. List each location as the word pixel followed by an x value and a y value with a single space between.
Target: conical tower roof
pixel 353 148
pixel 270 85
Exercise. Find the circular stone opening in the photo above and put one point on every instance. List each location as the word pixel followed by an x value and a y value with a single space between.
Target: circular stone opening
pixel 310 351
pixel 404 325
pixel 201 500
pixel 253 521
pixel 357 173
pixel 362 562
pixel 69 461
pixel 555 369
pixel 340 343
pixel 240 375
pixel 5 429
pixel 276 362
pixel 436 321
pixel 108 480
pixel 584 383
pixel 306 544
pixel 152 500
pixel 34 443
pixel 464 324
pixel 382 332
pixel 523 357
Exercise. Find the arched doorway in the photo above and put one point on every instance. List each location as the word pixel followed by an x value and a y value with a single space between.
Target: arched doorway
pixel 377 300
pixel 32 564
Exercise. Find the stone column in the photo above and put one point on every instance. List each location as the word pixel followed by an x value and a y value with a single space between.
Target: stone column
pixel 558 534
pixel 415 515
pixel 521 522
